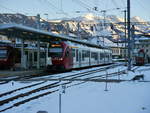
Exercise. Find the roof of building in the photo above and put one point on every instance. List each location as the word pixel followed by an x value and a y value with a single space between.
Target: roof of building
pixel 28 33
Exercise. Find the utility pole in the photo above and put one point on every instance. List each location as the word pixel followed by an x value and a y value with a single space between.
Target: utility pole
pixel 62 88
pixel 38 43
pixel 106 86
pixel 60 92
pixel 129 37
pixel 104 16
pixel 125 31
pixel 78 30
pixel 133 38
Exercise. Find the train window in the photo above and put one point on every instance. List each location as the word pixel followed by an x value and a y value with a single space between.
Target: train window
pixel 35 56
pixel 107 55
pixel 67 52
pixel 77 55
pixel 73 52
pixel 42 55
pixel 87 53
pixel 141 54
pixel 56 52
pixel 102 55
pixel 83 55
pixel 26 52
pixel 94 55
pixel 3 53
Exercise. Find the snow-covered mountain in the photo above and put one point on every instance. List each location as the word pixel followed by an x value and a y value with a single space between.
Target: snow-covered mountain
pixel 85 26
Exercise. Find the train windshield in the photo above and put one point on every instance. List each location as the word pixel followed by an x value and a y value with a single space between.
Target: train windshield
pixel 3 53
pixel 141 54
pixel 56 52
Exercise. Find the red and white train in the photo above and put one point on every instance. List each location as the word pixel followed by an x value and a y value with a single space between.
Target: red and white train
pixel 64 55
pixel 67 55
pixel 10 56
pixel 7 56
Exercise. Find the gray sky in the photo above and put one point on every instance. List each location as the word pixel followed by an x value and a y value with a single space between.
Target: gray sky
pixel 55 9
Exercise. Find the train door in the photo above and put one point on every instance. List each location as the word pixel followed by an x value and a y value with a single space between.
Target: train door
pixel 86 58
pixel 98 57
pixel 80 58
pixel 83 58
pixel 42 58
pixel 77 64
pixel 92 59
pixel 89 58
pixel 104 56
pixel 74 57
pixel 70 57
pixel 30 58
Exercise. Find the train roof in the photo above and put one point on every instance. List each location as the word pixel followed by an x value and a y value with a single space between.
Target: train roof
pixel 29 33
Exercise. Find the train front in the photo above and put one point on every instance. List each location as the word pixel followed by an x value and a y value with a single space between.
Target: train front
pixel 60 61
pixel 140 57
pixel 5 62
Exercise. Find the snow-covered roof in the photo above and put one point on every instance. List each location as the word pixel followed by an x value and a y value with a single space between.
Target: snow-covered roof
pixel 29 33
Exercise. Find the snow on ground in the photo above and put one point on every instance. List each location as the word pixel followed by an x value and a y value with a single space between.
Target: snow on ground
pixel 90 97
pixel 13 85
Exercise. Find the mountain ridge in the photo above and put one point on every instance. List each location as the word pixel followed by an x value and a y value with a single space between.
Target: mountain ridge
pixel 85 26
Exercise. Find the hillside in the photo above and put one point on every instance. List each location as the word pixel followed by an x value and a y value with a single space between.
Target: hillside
pixel 85 27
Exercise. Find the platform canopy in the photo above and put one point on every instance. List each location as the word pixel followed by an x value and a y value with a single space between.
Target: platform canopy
pixel 29 33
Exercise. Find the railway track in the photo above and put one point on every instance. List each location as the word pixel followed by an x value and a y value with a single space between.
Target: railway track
pixel 19 77
pixel 50 88
pixel 78 74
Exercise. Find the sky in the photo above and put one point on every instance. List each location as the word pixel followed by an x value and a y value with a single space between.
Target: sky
pixel 67 8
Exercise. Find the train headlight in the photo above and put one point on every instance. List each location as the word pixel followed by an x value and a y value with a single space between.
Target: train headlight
pixel 5 60
pixel 60 58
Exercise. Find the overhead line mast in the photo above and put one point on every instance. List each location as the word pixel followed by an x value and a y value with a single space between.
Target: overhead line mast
pixel 129 35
